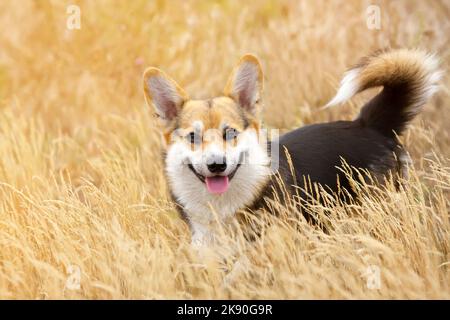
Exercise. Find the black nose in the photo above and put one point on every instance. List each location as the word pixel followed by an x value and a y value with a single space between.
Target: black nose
pixel 217 166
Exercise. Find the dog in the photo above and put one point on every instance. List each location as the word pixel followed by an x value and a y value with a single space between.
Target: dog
pixel 217 163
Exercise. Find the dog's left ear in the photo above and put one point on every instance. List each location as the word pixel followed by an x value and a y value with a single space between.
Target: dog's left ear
pixel 246 83
pixel 164 94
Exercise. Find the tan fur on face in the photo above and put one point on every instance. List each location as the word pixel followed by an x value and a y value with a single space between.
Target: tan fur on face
pixel 238 108
pixel 214 115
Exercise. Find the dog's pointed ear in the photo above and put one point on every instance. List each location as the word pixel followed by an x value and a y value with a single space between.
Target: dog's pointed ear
pixel 246 83
pixel 163 93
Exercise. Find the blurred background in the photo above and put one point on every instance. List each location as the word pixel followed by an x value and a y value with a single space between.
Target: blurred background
pixel 80 148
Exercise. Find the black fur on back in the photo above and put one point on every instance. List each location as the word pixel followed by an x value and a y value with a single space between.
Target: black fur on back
pixel 317 152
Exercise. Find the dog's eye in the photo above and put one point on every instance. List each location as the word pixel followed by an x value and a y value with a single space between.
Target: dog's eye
pixel 193 138
pixel 229 134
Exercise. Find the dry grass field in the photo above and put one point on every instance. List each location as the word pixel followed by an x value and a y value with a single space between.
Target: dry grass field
pixel 82 186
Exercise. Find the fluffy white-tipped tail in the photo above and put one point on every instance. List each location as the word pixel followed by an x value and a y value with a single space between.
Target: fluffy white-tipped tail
pixel 347 88
pixel 409 78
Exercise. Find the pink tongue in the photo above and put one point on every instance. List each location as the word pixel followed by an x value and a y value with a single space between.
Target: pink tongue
pixel 217 184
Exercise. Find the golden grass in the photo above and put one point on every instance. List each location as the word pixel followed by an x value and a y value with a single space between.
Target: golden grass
pixel 81 179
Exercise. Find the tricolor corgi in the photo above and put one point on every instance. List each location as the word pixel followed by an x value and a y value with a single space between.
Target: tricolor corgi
pixel 217 162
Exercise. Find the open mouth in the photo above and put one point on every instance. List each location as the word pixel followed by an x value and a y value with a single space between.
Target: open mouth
pixel 215 184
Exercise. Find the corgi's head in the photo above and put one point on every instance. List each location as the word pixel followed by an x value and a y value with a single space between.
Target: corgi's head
pixel 214 147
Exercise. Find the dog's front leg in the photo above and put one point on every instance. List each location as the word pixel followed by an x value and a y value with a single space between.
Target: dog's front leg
pixel 239 268
pixel 202 236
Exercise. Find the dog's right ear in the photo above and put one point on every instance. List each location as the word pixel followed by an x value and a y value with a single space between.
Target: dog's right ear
pixel 164 93
pixel 245 83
